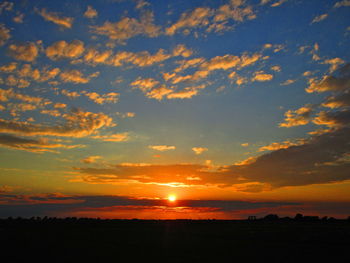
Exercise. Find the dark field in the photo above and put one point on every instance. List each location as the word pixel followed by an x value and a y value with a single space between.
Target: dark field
pixel 175 241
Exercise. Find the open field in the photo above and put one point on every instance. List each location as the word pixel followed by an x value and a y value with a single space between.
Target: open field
pixel 176 241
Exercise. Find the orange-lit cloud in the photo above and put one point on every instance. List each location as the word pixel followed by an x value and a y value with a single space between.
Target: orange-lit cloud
pixel 91 159
pixel 90 12
pixel 298 117
pixel 162 148
pixel 4 34
pixel 128 27
pixel 55 18
pixel 32 145
pixel 26 51
pixel 199 150
pixel 78 124
pixel 63 49
pixel 118 137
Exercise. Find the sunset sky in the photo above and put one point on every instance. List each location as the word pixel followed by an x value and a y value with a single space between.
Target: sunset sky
pixel 234 107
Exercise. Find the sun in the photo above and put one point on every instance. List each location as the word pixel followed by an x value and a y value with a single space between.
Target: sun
pixel 172 198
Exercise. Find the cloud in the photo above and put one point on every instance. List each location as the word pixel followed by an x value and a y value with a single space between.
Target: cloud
pixel 301 116
pixel 6 95
pixel 331 83
pixel 7 6
pixel 277 146
pixel 182 50
pixel 262 77
pixel 55 17
pixel 140 59
pixel 199 150
pixel 319 18
pixel 122 58
pixel 118 137
pixel 26 51
pixel 184 64
pixel 128 27
pixel 18 19
pixel 111 97
pixel 26 72
pixel 59 205
pixel 90 12
pixel 334 62
pixel 212 19
pixel 276 68
pixel 63 49
pixel 4 34
pixel 70 94
pixel 303 164
pixel 225 62
pixel 185 93
pixel 318 159
pixel 162 148
pixel 59 105
pixel 145 84
pixel 338 101
pixel 288 82
pixel 8 68
pixel 197 18
pixel 93 56
pixel 91 159
pixel 333 119
pixel 78 123
pixel 75 76
pixel 126 114
pixel 278 3
pixel 32 145
pixel 141 4
pixel 153 89
pixel 343 3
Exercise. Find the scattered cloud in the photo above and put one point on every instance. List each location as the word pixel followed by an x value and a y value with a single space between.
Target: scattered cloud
pixel 78 123
pixel 262 77
pixel 162 148
pixel 75 76
pixel 118 137
pixel 26 51
pixel 288 82
pixel 343 3
pixel 211 19
pixel 54 17
pixel 32 145
pixel 4 34
pixel 18 19
pixel 334 63
pixel 199 150
pixel 90 12
pixel 111 97
pixel 91 159
pixel 63 49
pixel 301 116
pixel 128 27
pixel 277 145
pixel 319 18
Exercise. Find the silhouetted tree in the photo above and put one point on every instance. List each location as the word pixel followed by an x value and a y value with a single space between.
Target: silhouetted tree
pixel 271 217
pixel 298 217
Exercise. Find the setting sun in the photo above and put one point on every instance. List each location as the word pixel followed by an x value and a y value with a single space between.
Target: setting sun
pixel 172 198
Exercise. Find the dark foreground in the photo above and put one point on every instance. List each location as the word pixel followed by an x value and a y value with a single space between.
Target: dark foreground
pixel 174 241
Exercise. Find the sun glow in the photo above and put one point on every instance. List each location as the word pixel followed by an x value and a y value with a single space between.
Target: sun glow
pixel 172 198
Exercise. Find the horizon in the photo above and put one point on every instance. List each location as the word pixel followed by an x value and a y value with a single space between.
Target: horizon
pixel 174 110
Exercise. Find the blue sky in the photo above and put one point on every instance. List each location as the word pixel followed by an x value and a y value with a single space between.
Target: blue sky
pixel 97 97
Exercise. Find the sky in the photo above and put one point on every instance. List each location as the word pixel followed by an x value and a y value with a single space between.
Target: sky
pixel 233 107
